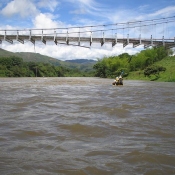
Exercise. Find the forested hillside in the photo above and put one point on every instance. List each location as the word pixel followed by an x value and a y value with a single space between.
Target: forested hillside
pixel 147 65
pixel 83 65
pixel 150 64
pixel 15 67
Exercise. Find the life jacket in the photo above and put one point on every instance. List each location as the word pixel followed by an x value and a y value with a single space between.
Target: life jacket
pixel 117 79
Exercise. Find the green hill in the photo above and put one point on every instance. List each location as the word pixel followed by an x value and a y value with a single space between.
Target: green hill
pixel 152 64
pixel 81 61
pixel 169 64
pixel 5 53
pixel 86 65
pixel 167 76
pixel 31 57
pixel 36 57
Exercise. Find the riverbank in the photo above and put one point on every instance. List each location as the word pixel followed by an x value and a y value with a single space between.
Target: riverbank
pixel 167 76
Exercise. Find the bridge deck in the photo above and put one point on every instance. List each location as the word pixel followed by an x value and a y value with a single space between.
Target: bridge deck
pixel 169 43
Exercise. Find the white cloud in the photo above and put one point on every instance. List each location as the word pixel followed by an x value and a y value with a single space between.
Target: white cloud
pixel 90 7
pixel 79 11
pixel 167 11
pixel 80 2
pixel 51 5
pixel 44 21
pixel 26 8
pixel 19 7
pixel 143 7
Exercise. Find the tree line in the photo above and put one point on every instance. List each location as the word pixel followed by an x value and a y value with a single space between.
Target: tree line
pixel 108 67
pixel 115 65
pixel 15 67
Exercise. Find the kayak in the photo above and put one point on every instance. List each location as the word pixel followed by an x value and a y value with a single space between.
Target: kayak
pixel 118 83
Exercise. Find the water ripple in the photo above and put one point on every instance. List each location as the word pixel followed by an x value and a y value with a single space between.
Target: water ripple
pixel 86 126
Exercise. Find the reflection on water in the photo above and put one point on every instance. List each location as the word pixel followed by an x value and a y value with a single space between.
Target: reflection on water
pixel 86 126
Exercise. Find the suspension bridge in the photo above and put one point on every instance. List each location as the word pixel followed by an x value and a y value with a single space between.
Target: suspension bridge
pixel 118 33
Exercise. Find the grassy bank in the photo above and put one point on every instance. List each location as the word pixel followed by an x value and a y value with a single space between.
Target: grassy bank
pixel 167 76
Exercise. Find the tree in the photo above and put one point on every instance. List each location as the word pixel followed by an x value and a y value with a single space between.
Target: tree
pixel 100 69
pixel 153 70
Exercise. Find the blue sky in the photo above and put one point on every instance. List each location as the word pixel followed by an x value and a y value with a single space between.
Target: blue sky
pixel 22 14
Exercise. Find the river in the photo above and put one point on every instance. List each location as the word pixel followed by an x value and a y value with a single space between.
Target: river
pixel 86 126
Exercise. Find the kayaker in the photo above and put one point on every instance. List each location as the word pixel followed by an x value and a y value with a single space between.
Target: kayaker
pixel 117 79
pixel 120 79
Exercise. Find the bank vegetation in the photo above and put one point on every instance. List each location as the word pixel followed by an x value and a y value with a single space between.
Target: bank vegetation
pixel 155 64
pixel 150 64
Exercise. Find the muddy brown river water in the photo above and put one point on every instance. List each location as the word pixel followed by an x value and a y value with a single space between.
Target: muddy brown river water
pixel 86 126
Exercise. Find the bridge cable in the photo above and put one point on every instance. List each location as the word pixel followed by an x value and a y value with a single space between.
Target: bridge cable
pixel 167 31
pixel 123 27
pixel 163 29
pixel 133 22
pixel 112 28
pixel 155 31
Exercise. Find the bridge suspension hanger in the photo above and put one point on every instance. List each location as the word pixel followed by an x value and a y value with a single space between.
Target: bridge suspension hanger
pixel 19 39
pixel 115 40
pixel 67 38
pixel 126 42
pixel 91 39
pixel 151 43
pixel 171 45
pixel 151 40
pixel 79 37
pixel 135 44
pixel 55 40
pixel 7 39
pixel 102 40
pixel 140 40
pixel 0 43
pixel 155 32
pixel 128 39
pixel 42 38
pixel 123 37
pixel 163 41
pixel 30 38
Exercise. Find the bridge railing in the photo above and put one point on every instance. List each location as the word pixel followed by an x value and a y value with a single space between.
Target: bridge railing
pixel 169 43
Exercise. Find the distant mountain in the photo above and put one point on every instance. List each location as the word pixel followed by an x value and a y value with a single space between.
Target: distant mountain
pixel 5 53
pixel 81 61
pixel 82 64
pixel 29 56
